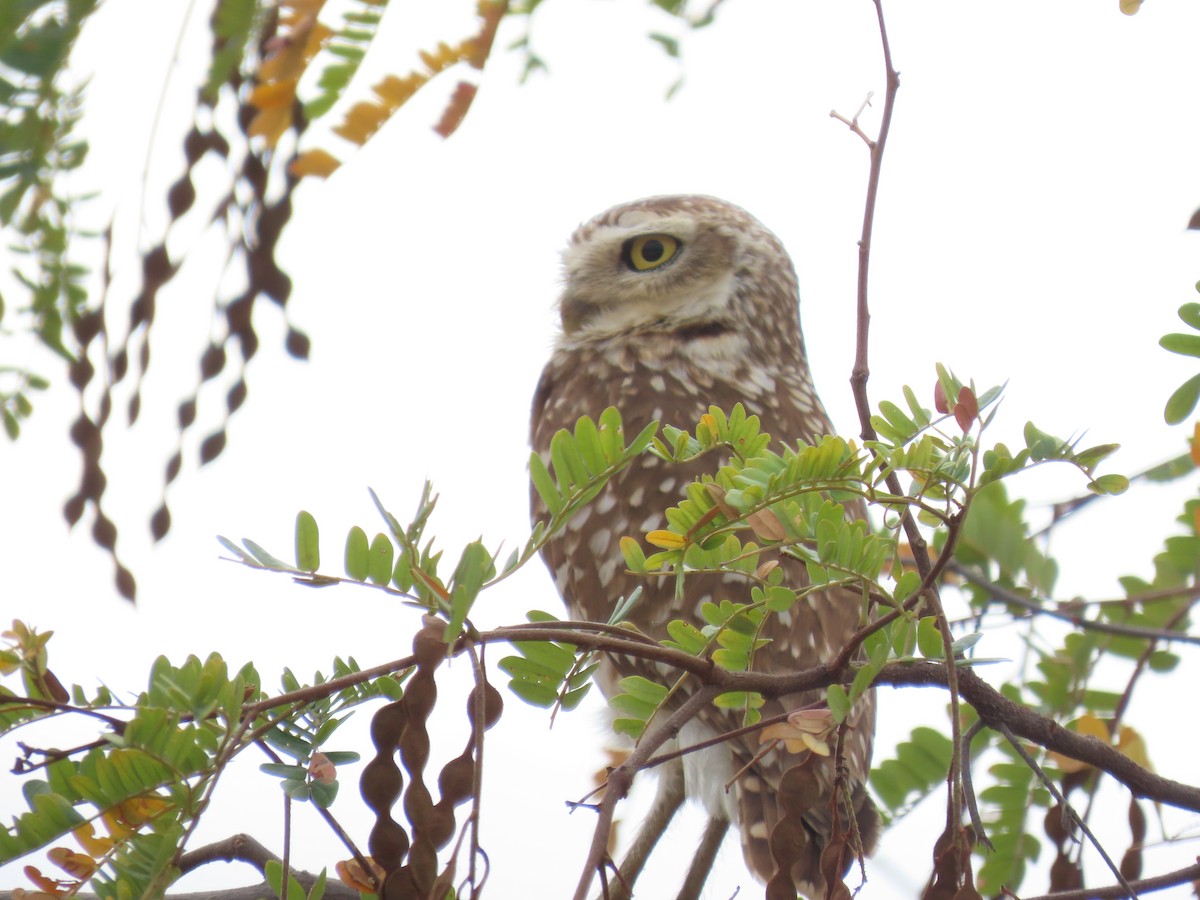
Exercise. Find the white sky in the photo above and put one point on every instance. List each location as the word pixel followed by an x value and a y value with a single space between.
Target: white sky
pixel 1040 173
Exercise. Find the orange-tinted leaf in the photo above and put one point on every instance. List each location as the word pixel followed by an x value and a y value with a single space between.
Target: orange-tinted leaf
pixel 456 109
pixel 966 410
pixel 272 95
pixel 77 865
pixel 321 770
pixel 316 163
pixel 1195 446
pixel 479 47
pixel 271 124
pixel 352 875
pixel 49 885
pixel 939 398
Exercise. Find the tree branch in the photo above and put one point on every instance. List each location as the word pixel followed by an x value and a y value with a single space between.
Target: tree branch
pixel 1005 595
pixel 1116 892
pixel 621 778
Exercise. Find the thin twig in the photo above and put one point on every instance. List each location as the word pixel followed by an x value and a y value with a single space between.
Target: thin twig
pixel 858 381
pixel 1037 607
pixel 480 723
pixel 968 786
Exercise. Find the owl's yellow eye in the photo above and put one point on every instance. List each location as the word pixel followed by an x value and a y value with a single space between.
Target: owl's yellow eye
pixel 649 251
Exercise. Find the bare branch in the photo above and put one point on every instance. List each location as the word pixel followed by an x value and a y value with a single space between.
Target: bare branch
pixel 1040 608
pixel 1117 892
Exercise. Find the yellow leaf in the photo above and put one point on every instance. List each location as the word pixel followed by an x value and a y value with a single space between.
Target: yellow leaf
pixel 667 540
pixel 362 121
pixel 1088 725
pixel 1129 7
pixel 1091 725
pixel 805 729
pixel 1133 745
pixel 137 811
pixel 816 745
pixel 272 95
pixel 317 163
pixel 394 91
pixel 118 829
pixel 96 846
pixel 271 124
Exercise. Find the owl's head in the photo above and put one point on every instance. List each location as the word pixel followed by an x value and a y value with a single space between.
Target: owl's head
pixel 692 265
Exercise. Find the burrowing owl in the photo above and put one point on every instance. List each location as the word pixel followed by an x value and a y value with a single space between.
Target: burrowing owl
pixel 672 304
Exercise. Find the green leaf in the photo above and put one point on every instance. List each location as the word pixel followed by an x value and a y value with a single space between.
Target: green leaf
pixel 625 606
pixel 838 701
pixel 358 550
pixel 960 646
pixel 1183 344
pixel 544 484
pixel 1093 456
pixel 308 550
pixel 635 557
pixel 906 584
pixel 587 439
pixel 1190 313
pixel 317 892
pixel 1109 484
pixel 643 689
pixel 237 551
pixel 1182 401
pixel 686 637
pixel 284 770
pixel 273 871
pixel 266 559
pixel 929 639
pixel 474 568
pixel 379 561
pixel 1171 469
pixel 323 794
pixel 556 658
pixel 896 417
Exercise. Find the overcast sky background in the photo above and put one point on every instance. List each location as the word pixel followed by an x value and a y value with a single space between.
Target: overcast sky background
pixel 1039 176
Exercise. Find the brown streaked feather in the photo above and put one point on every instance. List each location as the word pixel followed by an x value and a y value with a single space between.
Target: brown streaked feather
pixel 672 367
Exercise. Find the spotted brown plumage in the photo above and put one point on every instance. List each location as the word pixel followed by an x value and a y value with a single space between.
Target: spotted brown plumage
pixel 670 305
